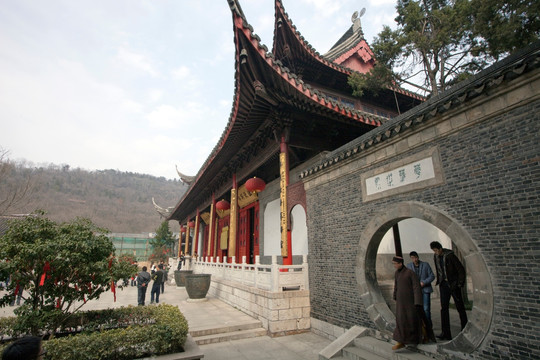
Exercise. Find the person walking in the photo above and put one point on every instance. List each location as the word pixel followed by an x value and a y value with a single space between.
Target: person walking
pixel 156 286
pixel 425 275
pixel 143 279
pixel 165 278
pixel 408 297
pixel 451 280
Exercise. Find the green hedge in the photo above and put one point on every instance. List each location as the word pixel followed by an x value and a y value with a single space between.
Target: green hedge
pixel 123 333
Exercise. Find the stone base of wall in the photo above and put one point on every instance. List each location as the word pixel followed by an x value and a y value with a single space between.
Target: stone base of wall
pixel 281 313
pixel 326 330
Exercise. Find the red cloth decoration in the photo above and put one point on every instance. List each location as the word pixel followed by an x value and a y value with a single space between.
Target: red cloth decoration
pixel 46 268
pixel 113 289
pixel 17 289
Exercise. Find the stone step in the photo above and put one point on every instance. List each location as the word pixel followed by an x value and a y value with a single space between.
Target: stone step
pixel 355 353
pixel 244 325
pixel 227 336
pixel 384 350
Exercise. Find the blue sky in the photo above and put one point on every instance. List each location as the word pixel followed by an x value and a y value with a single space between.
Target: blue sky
pixel 137 85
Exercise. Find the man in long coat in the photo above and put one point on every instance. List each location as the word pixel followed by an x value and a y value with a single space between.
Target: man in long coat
pixel 408 296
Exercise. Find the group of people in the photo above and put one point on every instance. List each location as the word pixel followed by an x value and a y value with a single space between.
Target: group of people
pixel 159 276
pixel 412 292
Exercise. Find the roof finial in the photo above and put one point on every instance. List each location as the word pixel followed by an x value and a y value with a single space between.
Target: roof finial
pixel 357 24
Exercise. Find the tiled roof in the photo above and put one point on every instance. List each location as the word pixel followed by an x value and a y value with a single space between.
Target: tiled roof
pixel 513 66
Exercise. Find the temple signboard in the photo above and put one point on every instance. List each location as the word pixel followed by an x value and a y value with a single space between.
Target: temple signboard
pixel 419 171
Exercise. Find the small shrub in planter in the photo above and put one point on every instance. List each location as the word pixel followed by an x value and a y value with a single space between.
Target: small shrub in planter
pixel 121 334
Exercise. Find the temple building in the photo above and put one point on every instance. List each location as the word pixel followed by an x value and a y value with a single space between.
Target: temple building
pixel 290 207
pixel 290 105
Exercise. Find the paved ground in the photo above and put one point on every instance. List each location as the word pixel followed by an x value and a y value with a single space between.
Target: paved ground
pixel 215 312
pixel 293 347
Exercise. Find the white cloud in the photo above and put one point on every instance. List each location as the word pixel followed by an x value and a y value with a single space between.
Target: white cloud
pixel 166 117
pixel 325 7
pixel 155 95
pixel 137 61
pixel 181 73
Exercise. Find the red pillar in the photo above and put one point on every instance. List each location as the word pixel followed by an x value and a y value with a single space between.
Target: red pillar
pixel 212 231
pixel 196 235
pixel 284 149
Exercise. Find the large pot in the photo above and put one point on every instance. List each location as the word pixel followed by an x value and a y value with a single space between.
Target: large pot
pixel 180 277
pixel 197 285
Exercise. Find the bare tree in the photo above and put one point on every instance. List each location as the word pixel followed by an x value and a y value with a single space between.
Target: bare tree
pixel 15 191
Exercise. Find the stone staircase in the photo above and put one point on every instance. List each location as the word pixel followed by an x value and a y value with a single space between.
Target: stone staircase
pixel 359 344
pixel 243 330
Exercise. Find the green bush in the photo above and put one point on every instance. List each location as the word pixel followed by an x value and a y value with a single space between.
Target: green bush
pixel 118 334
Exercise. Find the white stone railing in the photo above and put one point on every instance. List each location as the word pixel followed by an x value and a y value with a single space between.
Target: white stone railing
pixel 272 277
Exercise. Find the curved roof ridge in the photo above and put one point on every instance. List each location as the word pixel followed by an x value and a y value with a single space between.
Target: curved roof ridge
pixel 329 61
pixel 309 48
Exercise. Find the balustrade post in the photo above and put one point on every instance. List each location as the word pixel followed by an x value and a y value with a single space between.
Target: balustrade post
pixel 257 263
pixel 305 272
pixel 275 273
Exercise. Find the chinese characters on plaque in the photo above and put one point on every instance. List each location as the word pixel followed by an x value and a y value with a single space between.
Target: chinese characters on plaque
pixel 411 173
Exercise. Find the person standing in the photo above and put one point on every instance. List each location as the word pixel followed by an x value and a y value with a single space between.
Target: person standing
pixel 451 279
pixel 180 261
pixel 165 278
pixel 426 276
pixel 408 297
pixel 143 279
pixel 156 286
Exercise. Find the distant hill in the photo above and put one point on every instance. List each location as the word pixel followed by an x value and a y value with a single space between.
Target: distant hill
pixel 118 201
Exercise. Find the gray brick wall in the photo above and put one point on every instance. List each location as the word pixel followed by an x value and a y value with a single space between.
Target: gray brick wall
pixel 492 188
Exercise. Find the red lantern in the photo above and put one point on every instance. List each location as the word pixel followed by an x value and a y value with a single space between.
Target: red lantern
pixel 255 185
pixel 182 229
pixel 191 224
pixel 223 205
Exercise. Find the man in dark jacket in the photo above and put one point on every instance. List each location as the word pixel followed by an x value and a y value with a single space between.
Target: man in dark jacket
pixel 143 279
pixel 451 279
pixel 156 287
pixel 408 296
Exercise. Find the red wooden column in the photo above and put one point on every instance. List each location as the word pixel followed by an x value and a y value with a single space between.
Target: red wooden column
pixel 186 247
pixel 180 240
pixel 286 251
pixel 196 235
pixel 233 220
pixel 212 232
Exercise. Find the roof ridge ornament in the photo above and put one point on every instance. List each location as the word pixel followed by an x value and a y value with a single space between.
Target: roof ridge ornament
pixel 355 18
pixel 186 179
pixel 164 212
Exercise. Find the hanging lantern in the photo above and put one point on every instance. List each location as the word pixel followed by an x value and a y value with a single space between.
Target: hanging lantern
pixel 255 184
pixel 223 205
pixel 182 229
pixel 191 224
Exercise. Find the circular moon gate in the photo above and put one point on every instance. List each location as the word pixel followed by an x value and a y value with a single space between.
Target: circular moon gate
pixel 480 318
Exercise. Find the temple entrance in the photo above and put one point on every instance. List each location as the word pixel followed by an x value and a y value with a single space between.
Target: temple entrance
pixel 373 276
pixel 415 235
pixel 248 233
